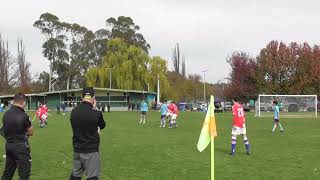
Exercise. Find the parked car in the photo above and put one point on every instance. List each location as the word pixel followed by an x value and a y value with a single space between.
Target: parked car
pixel 246 107
pixel 293 108
pixel 218 107
pixel 228 106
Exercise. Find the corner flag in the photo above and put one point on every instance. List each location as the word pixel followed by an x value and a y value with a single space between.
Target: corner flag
pixel 208 132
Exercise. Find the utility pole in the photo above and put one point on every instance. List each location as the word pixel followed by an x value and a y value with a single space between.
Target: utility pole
pixel 158 90
pixel 204 86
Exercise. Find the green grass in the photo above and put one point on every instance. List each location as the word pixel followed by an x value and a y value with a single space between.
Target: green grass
pixel 131 151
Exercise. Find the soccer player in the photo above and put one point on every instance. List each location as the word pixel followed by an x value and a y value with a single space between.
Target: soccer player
pixel 239 127
pixel 164 111
pixel 276 110
pixel 173 114
pixel 144 110
pixel 42 114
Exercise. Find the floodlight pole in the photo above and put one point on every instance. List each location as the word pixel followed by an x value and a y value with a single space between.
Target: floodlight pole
pixel 110 76
pixel 204 86
pixel 110 82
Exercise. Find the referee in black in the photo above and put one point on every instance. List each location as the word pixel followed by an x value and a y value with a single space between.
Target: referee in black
pixel 16 130
pixel 86 124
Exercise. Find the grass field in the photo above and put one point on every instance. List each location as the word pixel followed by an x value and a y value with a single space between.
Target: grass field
pixel 131 151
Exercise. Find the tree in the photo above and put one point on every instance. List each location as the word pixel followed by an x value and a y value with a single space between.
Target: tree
pixel 82 54
pixel 130 65
pixel 54 49
pixel 315 70
pixel 132 68
pixel 40 84
pixel 183 67
pixel 23 67
pixel 124 28
pixel 176 58
pixel 242 81
pixel 301 57
pixel 100 45
pixel 8 73
pixel 158 69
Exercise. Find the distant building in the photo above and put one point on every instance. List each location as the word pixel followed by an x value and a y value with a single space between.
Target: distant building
pixel 117 98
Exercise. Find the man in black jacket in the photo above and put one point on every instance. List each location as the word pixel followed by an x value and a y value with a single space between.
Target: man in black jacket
pixel 86 124
pixel 16 130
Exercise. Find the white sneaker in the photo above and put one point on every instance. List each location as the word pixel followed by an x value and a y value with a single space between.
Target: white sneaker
pixel 140 122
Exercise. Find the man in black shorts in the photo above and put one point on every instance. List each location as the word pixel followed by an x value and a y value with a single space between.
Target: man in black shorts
pixel 16 129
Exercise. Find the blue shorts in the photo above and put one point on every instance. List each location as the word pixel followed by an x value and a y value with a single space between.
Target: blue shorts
pixel 276 120
pixel 163 116
pixel 143 112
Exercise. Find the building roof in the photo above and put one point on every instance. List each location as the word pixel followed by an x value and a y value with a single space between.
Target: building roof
pixel 100 89
pixel 79 90
pixel 27 95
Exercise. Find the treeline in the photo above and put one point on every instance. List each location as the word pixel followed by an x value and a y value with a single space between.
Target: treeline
pixel 279 69
pixel 81 57
pixel 73 49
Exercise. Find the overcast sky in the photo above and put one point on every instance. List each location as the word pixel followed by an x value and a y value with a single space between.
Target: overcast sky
pixel 208 30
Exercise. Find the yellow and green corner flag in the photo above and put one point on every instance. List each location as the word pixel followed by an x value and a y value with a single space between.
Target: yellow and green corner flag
pixel 208 133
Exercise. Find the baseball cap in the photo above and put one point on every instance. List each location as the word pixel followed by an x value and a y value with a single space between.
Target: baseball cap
pixel 88 92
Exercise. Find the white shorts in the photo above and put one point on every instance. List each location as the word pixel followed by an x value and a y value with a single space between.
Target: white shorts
pixel 173 116
pixel 238 130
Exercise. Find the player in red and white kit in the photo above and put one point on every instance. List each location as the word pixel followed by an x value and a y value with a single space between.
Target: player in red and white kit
pixel 239 127
pixel 173 114
pixel 42 114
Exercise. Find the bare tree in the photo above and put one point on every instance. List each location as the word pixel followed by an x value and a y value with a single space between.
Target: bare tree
pixel 183 66
pixel 176 58
pixel 23 68
pixel 8 73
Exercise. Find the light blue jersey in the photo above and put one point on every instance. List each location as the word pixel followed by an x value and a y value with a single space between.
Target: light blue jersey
pixel 144 107
pixel 276 110
pixel 164 109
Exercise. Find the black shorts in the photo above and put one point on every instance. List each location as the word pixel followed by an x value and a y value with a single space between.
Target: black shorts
pixel 143 112
pixel 276 120
pixel 163 116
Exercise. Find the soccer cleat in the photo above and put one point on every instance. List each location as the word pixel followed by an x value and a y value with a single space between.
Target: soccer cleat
pixel 231 154
pixel 248 153
pixel 282 131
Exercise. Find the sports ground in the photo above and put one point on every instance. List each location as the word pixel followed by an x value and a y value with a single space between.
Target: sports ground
pixel 131 151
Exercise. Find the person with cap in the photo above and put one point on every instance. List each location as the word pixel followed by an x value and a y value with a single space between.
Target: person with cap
pixel 16 129
pixel 86 124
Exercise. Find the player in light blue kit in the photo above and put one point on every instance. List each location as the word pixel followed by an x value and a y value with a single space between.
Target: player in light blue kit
pixel 276 110
pixel 164 111
pixel 144 109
